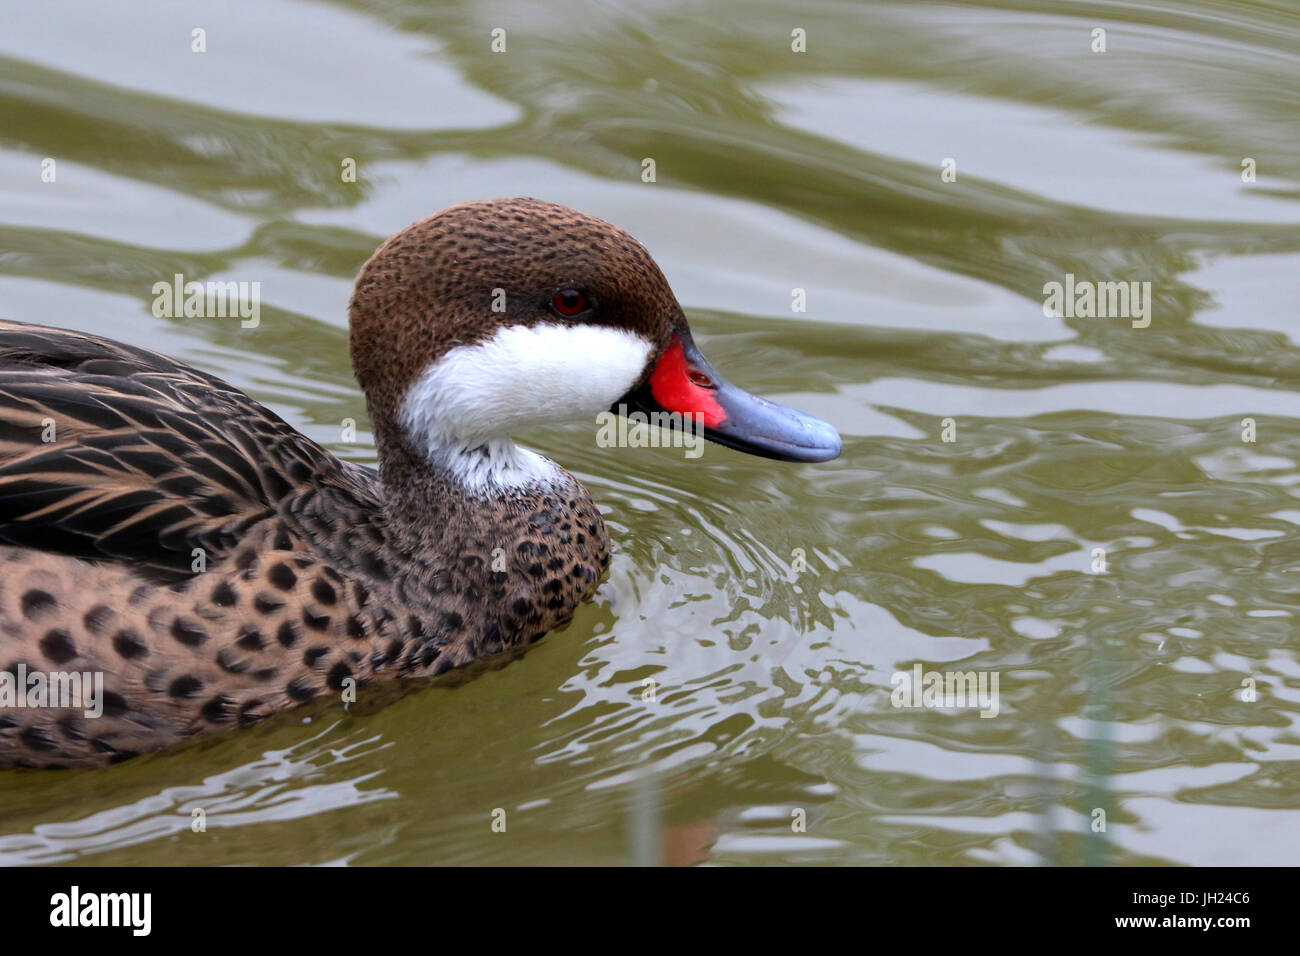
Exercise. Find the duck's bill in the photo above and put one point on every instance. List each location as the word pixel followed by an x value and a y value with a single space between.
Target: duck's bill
pixel 685 393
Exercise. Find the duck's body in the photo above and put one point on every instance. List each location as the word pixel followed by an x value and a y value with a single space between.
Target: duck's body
pixel 307 577
pixel 216 566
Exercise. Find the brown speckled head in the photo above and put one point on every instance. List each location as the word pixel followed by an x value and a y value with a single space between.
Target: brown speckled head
pixel 433 287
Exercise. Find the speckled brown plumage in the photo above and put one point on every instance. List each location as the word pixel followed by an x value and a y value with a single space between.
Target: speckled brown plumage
pixel 316 570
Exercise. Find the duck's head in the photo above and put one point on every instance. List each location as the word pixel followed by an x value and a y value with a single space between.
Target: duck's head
pixel 495 315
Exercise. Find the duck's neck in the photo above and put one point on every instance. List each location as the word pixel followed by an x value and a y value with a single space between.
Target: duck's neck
pixel 496 468
pixel 437 496
pixel 509 563
pixel 463 445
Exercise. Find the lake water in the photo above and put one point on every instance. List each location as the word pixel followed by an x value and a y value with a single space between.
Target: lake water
pixel 1104 533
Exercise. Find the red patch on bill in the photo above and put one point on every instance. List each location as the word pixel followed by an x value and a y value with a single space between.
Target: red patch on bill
pixel 672 386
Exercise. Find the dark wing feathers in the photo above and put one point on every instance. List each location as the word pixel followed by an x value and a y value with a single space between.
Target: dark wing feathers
pixel 150 459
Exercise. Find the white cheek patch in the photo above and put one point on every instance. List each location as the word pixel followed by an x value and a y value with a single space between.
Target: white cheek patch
pixel 463 407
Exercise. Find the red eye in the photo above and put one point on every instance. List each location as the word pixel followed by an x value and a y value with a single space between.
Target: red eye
pixel 569 302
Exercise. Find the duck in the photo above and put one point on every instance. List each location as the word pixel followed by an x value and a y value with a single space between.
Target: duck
pixel 213 566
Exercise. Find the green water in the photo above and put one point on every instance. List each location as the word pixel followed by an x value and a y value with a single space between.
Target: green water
pixel 1120 691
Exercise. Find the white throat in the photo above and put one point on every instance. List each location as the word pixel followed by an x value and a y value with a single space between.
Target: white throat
pixel 463 408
